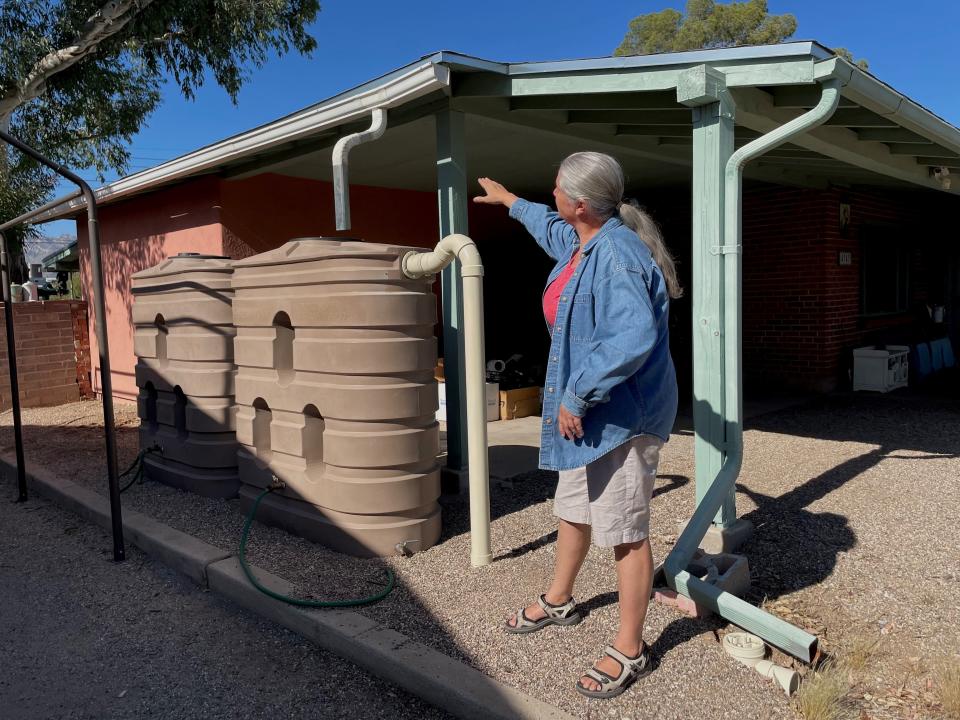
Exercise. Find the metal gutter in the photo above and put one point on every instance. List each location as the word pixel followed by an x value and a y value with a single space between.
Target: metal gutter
pixel 392 92
pixel 771 628
pixel 876 96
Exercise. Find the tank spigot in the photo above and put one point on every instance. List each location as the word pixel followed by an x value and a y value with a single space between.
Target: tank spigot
pixel 402 549
pixel 276 483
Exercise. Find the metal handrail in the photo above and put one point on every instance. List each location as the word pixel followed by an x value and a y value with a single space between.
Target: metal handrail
pixel 106 384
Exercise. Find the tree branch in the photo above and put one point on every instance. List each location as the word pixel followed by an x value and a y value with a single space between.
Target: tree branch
pixel 106 22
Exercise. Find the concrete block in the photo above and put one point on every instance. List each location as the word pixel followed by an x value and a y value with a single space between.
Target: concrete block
pixel 729 572
pixel 724 540
pixel 671 598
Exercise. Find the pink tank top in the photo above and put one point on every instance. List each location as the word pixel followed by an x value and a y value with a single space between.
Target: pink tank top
pixel 551 298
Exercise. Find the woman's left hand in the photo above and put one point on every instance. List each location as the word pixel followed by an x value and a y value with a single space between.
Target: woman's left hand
pixel 571 426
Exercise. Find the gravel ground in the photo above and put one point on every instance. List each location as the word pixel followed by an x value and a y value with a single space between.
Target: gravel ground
pixel 87 638
pixel 855 503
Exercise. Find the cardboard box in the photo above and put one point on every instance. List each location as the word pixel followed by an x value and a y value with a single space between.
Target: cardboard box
pixel 519 403
pixel 493 404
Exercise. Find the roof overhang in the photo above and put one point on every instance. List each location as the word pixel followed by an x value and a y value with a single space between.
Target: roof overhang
pixel 66 258
pixel 626 102
pixel 391 91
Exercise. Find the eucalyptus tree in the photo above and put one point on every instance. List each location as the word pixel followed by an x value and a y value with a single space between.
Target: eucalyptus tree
pixel 78 78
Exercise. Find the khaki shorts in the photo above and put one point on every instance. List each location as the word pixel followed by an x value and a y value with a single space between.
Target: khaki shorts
pixel 612 494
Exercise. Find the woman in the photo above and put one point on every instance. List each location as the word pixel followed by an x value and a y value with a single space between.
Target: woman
pixel 610 396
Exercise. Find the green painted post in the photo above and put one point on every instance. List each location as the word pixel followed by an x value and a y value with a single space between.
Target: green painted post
pixel 452 205
pixel 713 125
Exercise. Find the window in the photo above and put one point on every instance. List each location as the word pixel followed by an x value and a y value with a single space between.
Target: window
pixel 884 272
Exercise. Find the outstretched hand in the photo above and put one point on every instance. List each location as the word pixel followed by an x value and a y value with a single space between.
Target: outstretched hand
pixel 496 194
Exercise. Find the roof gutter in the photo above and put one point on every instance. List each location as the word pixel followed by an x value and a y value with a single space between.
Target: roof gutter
pixel 395 91
pixel 866 90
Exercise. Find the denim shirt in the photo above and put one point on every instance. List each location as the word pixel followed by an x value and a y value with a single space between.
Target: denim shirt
pixel 609 359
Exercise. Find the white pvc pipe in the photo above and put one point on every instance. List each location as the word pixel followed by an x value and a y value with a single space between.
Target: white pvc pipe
pixel 341 151
pixel 416 265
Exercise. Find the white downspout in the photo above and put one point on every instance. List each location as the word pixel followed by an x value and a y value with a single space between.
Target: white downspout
pixel 341 181
pixel 416 265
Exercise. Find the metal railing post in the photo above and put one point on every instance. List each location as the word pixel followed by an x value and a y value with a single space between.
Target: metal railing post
pixel 106 385
pixel 12 366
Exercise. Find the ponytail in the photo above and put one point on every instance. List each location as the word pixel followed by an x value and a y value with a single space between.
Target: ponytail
pixel 638 220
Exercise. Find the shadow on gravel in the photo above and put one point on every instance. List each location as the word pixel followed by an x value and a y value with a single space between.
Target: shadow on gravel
pixel 792 547
pixel 516 494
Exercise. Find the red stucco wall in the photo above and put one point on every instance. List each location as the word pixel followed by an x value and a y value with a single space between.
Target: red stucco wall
pixel 264 211
pixel 236 218
pixel 135 235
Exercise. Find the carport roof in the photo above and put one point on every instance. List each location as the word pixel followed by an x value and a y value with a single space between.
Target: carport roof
pixel 630 104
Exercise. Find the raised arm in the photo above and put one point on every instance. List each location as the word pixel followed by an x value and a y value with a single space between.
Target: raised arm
pixel 552 233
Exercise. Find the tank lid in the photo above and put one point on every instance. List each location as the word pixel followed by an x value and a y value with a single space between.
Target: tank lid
pixel 305 249
pixel 198 255
pixel 185 263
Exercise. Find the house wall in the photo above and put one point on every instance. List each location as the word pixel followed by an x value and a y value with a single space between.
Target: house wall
pixel 264 211
pixel 236 218
pixel 137 234
pixel 802 309
pixel 52 353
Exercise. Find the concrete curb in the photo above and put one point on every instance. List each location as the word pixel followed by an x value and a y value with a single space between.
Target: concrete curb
pixel 422 671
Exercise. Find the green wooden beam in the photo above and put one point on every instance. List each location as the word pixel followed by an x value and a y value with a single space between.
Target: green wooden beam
pixel 746 73
pixel 452 205
pixel 673 131
pixel 677 131
pixel 495 109
pixel 713 141
pixel 662 100
pixel 938 160
pixel 888 135
pixel 810 162
pixel 802 97
pixel 917 149
pixel 680 116
pixel 860 118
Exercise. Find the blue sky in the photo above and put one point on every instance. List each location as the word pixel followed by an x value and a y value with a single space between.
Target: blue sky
pixel 913 51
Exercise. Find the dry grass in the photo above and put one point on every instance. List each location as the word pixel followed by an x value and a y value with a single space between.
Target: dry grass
pixel 948 686
pixel 860 651
pixel 822 692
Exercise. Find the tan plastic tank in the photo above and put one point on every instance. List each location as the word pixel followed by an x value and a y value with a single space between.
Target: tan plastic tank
pixel 336 396
pixel 183 339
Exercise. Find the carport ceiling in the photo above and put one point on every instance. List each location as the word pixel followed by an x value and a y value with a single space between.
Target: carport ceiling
pixel 522 140
pixel 524 158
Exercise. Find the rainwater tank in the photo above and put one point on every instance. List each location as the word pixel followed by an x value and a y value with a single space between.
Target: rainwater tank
pixel 183 339
pixel 336 396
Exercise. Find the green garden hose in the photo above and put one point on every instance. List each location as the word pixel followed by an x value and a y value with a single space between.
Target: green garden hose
pixel 137 467
pixel 242 555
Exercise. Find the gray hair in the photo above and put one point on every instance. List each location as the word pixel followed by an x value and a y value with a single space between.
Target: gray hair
pixel 597 179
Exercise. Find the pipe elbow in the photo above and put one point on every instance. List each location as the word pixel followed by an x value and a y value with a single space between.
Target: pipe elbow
pixel 466 252
pixel 452 247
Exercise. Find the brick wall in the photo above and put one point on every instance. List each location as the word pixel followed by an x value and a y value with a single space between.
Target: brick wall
pixel 801 308
pixel 81 345
pixel 53 353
